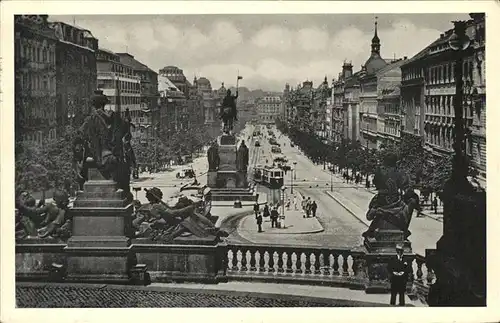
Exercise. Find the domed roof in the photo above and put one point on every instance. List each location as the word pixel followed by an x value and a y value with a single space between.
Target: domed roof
pixel 203 81
pixel 374 63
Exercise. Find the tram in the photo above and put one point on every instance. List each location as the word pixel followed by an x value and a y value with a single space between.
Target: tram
pixel 268 176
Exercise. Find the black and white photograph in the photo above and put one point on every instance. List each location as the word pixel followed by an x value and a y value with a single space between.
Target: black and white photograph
pixel 248 160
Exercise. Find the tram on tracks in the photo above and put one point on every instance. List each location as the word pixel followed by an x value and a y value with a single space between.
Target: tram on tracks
pixel 270 177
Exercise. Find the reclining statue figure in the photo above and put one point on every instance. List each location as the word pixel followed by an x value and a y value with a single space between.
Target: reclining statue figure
pixel 160 222
pixel 44 220
pixel 387 209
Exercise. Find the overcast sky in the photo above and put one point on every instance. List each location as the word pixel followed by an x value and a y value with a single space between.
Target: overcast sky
pixel 268 50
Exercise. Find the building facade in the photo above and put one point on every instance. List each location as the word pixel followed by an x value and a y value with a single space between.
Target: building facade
pixel 176 76
pixel 119 83
pixel 268 109
pixel 146 119
pixel 319 113
pixel 76 72
pixel 338 118
pixel 389 116
pixel 35 79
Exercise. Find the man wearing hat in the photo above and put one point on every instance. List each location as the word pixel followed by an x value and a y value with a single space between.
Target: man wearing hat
pixel 398 273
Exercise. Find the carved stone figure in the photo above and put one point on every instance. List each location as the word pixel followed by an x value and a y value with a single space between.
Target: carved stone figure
pixel 387 210
pixel 228 112
pixel 50 220
pixel 242 157
pixel 213 157
pixel 106 137
pixel 160 222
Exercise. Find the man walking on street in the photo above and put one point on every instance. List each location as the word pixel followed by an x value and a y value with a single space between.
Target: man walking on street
pixel 398 271
pixel 308 207
pixel 314 207
pixel 295 202
pixel 274 218
pixel 256 208
pixel 435 205
pixel 259 221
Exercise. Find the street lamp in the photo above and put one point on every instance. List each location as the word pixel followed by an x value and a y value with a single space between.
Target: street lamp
pixel 295 170
pixel 282 224
pixel 291 181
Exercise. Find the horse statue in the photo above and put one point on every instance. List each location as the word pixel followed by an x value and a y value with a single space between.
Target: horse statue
pixel 228 113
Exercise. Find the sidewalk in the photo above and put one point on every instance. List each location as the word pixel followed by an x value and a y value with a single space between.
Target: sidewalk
pixel 294 224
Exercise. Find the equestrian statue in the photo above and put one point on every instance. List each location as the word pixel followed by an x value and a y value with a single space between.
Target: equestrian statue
pixel 228 112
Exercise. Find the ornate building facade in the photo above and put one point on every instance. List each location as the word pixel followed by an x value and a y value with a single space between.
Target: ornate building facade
pixel 35 79
pixel 268 109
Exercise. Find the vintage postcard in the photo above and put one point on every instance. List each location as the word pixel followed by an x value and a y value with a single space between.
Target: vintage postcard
pixel 271 155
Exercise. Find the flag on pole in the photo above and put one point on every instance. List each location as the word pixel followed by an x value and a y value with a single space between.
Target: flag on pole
pixel 240 77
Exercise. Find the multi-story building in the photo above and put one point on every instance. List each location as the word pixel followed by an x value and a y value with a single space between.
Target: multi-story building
pixel 147 118
pixel 76 72
pixel 389 116
pixel 268 109
pixel 428 92
pixel 35 79
pixel 319 113
pixel 302 103
pixel 440 91
pixel 337 107
pixel 377 75
pixel 285 103
pixel 350 106
pixel 177 77
pixel 173 107
pixel 119 83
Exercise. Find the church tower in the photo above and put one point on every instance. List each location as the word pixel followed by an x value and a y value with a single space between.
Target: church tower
pixel 376 40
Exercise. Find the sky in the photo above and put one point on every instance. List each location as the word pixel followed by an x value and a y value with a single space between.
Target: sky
pixel 267 50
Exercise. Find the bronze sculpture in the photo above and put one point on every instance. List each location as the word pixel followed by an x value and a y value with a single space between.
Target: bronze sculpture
pixel 213 156
pixel 242 157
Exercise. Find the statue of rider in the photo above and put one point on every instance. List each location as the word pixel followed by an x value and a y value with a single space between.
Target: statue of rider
pixel 228 111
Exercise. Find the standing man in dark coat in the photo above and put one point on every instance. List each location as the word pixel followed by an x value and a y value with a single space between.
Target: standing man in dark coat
pixel 398 272
pixel 274 217
pixel 256 209
pixel 259 221
pixel 314 207
pixel 266 210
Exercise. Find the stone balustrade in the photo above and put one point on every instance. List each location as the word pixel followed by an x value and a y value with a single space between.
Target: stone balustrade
pixel 295 264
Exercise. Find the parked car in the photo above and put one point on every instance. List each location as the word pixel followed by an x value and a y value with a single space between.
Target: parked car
pixel 185 173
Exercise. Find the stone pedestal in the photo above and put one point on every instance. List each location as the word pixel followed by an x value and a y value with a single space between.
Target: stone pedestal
pixel 186 259
pixel 380 250
pixel 99 250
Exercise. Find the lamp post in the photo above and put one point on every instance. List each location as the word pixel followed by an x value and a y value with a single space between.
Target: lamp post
pixel 291 181
pixel 282 224
pixel 295 170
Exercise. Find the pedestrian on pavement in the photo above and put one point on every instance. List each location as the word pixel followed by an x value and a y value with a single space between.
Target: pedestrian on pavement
pixel 274 217
pixel 308 206
pixel 435 205
pixel 256 209
pixel 398 270
pixel 266 210
pixel 288 204
pixel 259 221
pixel 314 207
pixel 304 204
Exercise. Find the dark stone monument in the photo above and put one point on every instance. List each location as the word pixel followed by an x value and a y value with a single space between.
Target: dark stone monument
pixel 99 250
pixel 228 180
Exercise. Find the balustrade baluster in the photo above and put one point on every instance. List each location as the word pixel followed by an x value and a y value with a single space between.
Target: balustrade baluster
pixel 336 265
pixel 420 274
pixel 356 258
pixel 289 263
pixel 262 260
pixel 235 259
pixel 345 265
pixel 244 267
pixel 253 260
pixel 308 262
pixel 298 263
pixel 280 262
pixel 326 263
pixel 317 264
pixel 271 262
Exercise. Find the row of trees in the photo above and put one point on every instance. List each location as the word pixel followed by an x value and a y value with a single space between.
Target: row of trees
pixel 45 167
pixel 349 155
